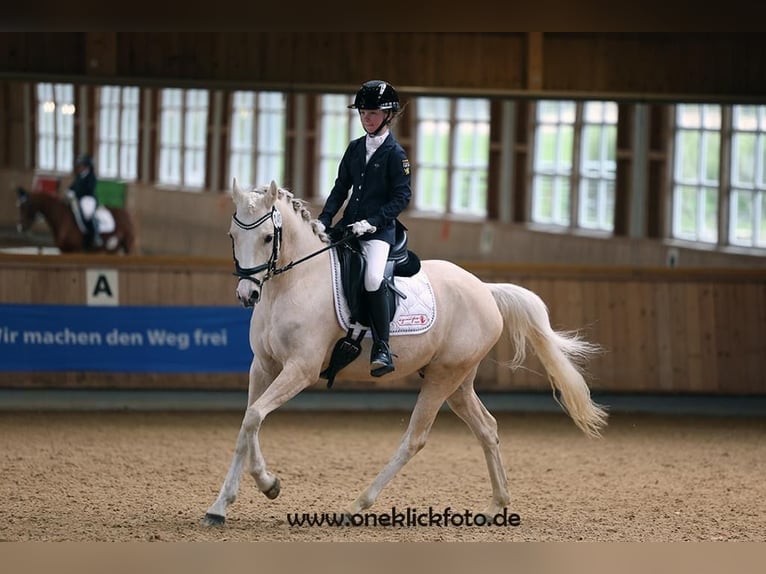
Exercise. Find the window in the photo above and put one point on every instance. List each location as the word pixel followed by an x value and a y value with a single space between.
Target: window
pixel 432 153
pixel 747 223
pixel 338 126
pixel 55 127
pixel 598 165
pixel 117 132
pixel 452 155
pixel 257 138
pixel 471 157
pixel 183 137
pixel 575 148
pixel 553 157
pixel 696 172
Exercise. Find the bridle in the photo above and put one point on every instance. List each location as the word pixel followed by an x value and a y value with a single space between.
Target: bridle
pixel 271 265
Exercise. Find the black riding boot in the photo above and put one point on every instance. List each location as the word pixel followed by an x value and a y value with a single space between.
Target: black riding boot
pixel 381 362
pixel 92 237
pixel 90 234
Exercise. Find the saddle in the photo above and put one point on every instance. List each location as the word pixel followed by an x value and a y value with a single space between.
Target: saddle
pixel 401 263
pixel 103 220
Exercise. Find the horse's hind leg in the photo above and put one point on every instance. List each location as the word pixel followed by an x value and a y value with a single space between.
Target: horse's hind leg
pixel 466 404
pixel 432 396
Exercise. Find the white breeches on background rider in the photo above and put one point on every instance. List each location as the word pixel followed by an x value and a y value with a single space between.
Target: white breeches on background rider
pixel 88 207
pixel 375 252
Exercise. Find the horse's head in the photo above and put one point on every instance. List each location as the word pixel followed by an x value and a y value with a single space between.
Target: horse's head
pixel 256 233
pixel 27 210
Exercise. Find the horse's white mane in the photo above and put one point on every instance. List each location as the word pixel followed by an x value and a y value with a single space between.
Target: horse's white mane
pixel 256 193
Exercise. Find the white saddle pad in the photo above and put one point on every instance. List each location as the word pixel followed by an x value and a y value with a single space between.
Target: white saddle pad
pixel 414 315
pixel 105 220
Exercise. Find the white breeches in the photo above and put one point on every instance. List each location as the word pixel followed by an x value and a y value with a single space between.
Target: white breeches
pixel 376 253
pixel 88 207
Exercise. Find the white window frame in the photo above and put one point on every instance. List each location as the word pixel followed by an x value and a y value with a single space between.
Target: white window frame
pixel 117 132
pixel 183 138
pixel 754 191
pixel 55 127
pixel 338 126
pixel 554 120
pixel 694 186
pixel 470 157
pixel 601 173
pixel 558 172
pixel 257 138
pixel 452 143
pixel 432 154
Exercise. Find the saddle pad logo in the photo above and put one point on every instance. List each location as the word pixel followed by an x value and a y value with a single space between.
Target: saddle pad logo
pixel 407 320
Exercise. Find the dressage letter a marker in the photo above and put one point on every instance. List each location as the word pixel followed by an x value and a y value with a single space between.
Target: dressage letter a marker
pixel 102 287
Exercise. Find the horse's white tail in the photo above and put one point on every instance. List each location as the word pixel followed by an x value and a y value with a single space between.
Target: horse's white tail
pixel 526 318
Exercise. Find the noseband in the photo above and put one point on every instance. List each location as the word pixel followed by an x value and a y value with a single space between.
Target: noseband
pixel 271 265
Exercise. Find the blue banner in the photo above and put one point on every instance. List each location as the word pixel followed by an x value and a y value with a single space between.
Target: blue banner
pixel 124 339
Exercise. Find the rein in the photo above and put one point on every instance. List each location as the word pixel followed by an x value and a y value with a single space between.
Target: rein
pixel 271 265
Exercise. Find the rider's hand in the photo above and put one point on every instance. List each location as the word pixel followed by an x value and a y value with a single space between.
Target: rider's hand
pixel 361 227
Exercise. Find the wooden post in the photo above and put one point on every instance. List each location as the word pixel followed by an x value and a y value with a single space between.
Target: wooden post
pixel 534 60
pixel 101 53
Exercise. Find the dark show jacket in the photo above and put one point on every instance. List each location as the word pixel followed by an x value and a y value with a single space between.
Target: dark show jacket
pixel 84 185
pixel 380 189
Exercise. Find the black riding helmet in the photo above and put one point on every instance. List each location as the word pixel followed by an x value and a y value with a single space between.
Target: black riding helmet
pixel 84 159
pixel 376 95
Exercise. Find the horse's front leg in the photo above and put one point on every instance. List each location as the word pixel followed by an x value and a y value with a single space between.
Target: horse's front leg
pixel 290 381
pixel 258 382
pixel 216 513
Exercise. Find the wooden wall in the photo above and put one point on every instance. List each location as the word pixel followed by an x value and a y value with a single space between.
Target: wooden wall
pixel 629 65
pixel 662 331
pixel 178 223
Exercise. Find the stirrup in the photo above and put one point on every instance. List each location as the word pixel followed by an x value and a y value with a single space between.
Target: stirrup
pixel 380 366
pixel 383 370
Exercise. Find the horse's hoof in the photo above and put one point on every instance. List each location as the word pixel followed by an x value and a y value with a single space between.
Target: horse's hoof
pixel 213 520
pixel 273 492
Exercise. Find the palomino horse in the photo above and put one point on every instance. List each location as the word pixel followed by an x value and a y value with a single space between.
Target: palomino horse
pixel 292 346
pixel 61 221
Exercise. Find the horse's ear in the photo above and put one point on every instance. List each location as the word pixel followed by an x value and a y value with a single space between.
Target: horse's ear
pixel 235 190
pixel 273 193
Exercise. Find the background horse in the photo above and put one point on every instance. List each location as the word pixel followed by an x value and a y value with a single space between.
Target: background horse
pixel 61 221
pixel 294 327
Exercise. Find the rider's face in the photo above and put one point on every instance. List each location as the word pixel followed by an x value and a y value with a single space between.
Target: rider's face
pixel 372 119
